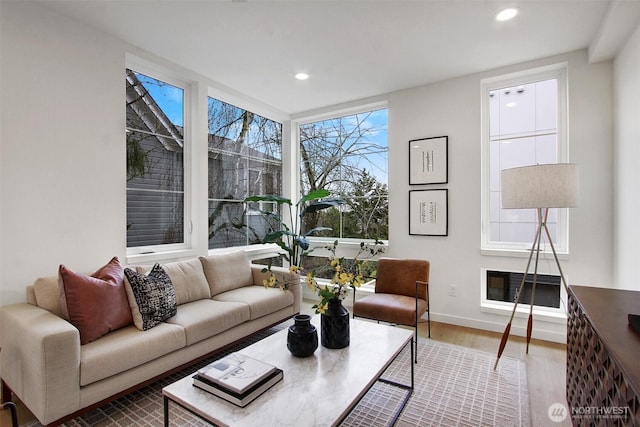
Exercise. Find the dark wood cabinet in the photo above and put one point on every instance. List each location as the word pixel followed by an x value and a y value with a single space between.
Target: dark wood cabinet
pixel 603 357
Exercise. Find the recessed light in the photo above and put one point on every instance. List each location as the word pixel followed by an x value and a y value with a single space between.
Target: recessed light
pixel 506 14
pixel 302 76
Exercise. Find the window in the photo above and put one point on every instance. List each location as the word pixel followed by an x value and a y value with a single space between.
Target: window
pixel 245 158
pixel 348 156
pixel 155 116
pixel 524 123
pixel 499 289
pixel 504 286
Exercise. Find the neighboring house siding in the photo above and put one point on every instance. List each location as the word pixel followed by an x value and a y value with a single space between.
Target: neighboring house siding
pixel 233 177
pixel 155 199
pixel 152 216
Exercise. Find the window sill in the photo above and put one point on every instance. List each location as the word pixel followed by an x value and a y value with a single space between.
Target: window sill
pixel 367 288
pixel 254 252
pixel 347 248
pixel 552 315
pixel 521 253
pixel 167 256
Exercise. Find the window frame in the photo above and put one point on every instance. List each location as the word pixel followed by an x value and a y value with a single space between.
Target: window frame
pixel 197 89
pixel 555 71
pixel 348 247
pixel 548 314
pixel 153 252
pixel 220 97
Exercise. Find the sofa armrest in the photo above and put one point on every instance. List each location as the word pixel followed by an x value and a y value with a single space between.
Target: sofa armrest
pixel 283 275
pixel 40 360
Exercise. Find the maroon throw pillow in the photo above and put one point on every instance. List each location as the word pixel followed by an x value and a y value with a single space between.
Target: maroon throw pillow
pixel 96 304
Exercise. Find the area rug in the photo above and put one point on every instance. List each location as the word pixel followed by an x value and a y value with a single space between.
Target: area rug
pixel 454 386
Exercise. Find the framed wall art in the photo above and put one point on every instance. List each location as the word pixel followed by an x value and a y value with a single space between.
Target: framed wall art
pixel 428 212
pixel 428 159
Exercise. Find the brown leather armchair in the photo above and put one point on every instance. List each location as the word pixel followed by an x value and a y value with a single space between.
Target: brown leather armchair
pixel 401 294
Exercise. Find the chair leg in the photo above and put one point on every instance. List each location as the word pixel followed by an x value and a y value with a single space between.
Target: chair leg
pixel 416 340
pixel 14 414
pixel 428 316
pixel 415 324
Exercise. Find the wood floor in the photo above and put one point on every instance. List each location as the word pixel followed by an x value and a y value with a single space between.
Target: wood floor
pixel 546 364
pixel 546 367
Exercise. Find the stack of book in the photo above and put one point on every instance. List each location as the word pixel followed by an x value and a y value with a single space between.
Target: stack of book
pixel 237 378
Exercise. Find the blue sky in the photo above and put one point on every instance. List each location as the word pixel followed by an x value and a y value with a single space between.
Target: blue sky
pixel 171 100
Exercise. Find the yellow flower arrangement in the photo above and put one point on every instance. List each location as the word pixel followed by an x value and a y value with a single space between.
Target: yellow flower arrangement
pixel 346 275
pixel 273 282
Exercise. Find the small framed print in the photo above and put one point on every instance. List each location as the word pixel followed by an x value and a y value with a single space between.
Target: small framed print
pixel 428 160
pixel 428 212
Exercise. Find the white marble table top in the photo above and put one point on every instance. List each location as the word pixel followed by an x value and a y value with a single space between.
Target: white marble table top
pixel 319 390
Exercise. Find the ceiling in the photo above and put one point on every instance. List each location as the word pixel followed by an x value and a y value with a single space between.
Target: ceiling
pixel 352 49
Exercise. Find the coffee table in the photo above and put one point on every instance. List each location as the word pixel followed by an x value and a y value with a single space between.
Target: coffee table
pixel 318 390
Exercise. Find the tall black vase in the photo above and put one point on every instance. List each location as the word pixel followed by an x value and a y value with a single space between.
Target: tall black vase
pixel 302 339
pixel 334 325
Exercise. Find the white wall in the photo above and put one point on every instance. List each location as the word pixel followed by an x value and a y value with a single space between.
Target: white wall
pixel 453 108
pixel 63 162
pixel 627 172
pixel 63 165
pixel 63 158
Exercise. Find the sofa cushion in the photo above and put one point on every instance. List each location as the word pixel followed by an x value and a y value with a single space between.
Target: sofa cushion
pixel 47 295
pixel 227 271
pixel 261 300
pixel 189 281
pixel 95 304
pixel 154 296
pixel 205 318
pixel 127 348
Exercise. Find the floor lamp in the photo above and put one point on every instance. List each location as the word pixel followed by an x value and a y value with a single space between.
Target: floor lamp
pixel 539 187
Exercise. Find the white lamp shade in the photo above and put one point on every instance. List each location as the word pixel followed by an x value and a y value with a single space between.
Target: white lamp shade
pixel 540 186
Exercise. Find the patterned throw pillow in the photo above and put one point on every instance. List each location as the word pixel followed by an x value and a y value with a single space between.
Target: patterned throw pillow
pixel 154 295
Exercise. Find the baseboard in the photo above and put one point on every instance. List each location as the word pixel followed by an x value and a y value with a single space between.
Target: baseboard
pixel 538 331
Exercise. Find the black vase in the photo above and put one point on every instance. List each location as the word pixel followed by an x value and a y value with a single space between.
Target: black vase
pixel 302 339
pixel 334 325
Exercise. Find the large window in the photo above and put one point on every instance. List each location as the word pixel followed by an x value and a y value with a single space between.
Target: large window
pixel 524 123
pixel 166 145
pixel 348 156
pixel 155 140
pixel 245 159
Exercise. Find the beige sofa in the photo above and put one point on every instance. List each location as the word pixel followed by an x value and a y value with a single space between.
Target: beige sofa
pixel 221 299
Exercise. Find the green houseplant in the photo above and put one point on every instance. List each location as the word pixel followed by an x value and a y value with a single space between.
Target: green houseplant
pixel 290 236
